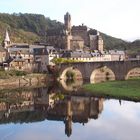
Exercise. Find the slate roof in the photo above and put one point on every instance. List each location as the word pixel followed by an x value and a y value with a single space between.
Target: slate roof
pixel 116 52
pixel 44 51
pixel 77 54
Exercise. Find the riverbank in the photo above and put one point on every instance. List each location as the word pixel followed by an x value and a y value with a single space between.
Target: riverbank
pixel 128 90
pixel 29 80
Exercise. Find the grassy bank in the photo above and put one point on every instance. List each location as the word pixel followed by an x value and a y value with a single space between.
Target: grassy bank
pixel 129 89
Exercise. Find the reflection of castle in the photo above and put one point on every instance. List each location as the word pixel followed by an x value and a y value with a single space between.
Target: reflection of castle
pixel 76 109
pixel 74 37
pixel 41 105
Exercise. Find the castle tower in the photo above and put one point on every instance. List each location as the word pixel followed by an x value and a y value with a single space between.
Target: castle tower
pixel 100 43
pixel 7 41
pixel 68 121
pixel 67 22
pixel 95 40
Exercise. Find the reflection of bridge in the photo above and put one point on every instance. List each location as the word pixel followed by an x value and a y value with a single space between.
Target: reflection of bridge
pixel 119 68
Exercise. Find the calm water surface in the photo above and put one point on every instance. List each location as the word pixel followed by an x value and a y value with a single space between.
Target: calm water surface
pixel 46 114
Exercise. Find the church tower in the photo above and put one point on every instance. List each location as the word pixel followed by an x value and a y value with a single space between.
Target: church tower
pixel 67 22
pixel 7 41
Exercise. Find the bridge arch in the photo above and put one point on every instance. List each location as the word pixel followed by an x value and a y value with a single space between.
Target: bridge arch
pixel 71 85
pixel 76 71
pixel 102 74
pixel 133 72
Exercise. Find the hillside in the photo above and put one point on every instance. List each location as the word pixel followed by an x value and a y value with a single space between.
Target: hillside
pixel 29 28
pixel 114 43
pixel 25 27
pixel 134 46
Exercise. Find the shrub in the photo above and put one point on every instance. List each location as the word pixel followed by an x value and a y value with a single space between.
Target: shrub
pixel 70 74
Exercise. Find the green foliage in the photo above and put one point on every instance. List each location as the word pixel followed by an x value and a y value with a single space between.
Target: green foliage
pixel 19 73
pixel 114 43
pixel 129 89
pixel 111 43
pixel 70 82
pixel 64 60
pixel 26 28
pixel 70 74
pixel 8 74
pixel 58 96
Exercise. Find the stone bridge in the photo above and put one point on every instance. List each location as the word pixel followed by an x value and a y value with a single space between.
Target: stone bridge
pixel 119 68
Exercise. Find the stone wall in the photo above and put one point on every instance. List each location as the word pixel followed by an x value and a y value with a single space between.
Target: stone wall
pixel 23 81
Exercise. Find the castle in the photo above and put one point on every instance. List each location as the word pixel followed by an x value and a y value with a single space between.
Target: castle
pixel 74 37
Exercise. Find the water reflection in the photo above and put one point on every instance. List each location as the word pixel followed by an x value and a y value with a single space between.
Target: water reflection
pixel 48 103
pixel 71 84
pixel 75 84
pixel 46 113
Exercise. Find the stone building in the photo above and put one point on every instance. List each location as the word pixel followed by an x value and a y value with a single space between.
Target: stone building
pixel 21 57
pixel 3 55
pixel 43 56
pixel 74 37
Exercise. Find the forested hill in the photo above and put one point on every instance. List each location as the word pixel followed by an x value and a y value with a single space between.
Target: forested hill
pixel 26 27
pixel 29 28
pixel 114 43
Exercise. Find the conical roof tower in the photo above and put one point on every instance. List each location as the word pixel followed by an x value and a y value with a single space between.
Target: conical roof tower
pixel 7 41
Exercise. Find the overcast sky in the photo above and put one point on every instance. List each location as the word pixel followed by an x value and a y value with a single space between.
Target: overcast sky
pixel 118 18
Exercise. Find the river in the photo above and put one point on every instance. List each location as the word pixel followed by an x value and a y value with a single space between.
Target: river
pixel 57 112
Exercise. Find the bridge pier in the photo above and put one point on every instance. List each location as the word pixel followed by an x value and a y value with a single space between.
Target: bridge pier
pixel 120 77
pixel 85 81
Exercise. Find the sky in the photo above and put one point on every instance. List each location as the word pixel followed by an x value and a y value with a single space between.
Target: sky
pixel 118 18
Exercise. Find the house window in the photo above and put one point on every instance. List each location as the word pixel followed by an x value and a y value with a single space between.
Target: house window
pixel 28 60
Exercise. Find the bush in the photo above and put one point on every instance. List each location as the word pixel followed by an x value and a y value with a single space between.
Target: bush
pixel 8 74
pixel 70 75
pixel 20 73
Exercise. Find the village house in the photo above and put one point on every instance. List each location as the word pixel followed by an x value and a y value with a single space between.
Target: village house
pixel 85 56
pixel 26 104
pixel 22 57
pixel 43 56
pixel 3 55
pixel 117 55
